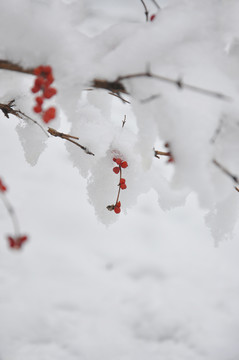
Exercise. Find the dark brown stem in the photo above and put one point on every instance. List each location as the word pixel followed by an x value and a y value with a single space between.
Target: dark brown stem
pixel 179 83
pixel 145 10
pixel 227 172
pixel 120 172
pixel 120 97
pixel 68 137
pixel 162 153
pixel 8 109
pixel 8 65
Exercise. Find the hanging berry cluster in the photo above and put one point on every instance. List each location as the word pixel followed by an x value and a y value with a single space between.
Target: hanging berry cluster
pixel 15 242
pixel 43 81
pixel 122 185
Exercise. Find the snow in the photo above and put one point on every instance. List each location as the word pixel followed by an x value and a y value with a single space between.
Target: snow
pixel 158 281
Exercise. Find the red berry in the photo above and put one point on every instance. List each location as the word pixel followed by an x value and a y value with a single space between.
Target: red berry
pixel 49 114
pixel 117 209
pixel 152 17
pixel 118 161
pixel 11 241
pixel 37 108
pixel 17 242
pixel 35 89
pixel 124 164
pixel 116 170
pixel 38 70
pixel 49 92
pixel 47 69
pixel 114 159
pixel 122 181
pixel 123 186
pixel 22 239
pixel 171 159
pixel 2 187
pixel 50 79
pixel 39 82
pixel 39 100
pixel 118 204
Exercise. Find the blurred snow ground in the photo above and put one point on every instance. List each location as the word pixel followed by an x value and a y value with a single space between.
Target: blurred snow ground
pixel 151 286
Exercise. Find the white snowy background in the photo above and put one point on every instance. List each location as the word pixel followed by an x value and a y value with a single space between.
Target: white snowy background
pixel 154 284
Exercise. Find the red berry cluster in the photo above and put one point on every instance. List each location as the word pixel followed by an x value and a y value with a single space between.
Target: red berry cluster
pixel 44 79
pixel 117 206
pixel 16 243
pixel 122 186
pixel 3 188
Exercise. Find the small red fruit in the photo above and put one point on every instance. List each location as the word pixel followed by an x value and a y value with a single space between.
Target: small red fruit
pixel 123 186
pixel 117 209
pixel 3 188
pixel 39 100
pixel 124 164
pixel 49 92
pixel 37 71
pixel 17 242
pixel 39 82
pixel 118 161
pixel 47 69
pixel 37 109
pixel 34 89
pixel 50 79
pixel 152 17
pixel 116 170
pixel 49 114
pixel 122 181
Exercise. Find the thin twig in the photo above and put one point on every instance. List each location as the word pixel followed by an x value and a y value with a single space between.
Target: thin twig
pixel 145 10
pixel 162 153
pixel 155 3
pixel 150 98
pixel 68 137
pixel 8 109
pixel 12 215
pixel 119 96
pixel 179 83
pixel 124 121
pixel 226 171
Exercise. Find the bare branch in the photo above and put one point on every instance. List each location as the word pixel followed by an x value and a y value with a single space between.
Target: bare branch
pixel 8 109
pixel 227 172
pixel 119 97
pixel 68 137
pixel 150 98
pixel 179 83
pixel 162 153
pixel 8 65
pixel 117 87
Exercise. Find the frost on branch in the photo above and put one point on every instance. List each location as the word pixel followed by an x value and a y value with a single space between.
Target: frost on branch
pixel 177 77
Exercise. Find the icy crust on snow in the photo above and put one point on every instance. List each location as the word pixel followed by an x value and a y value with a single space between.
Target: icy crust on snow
pixel 195 41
